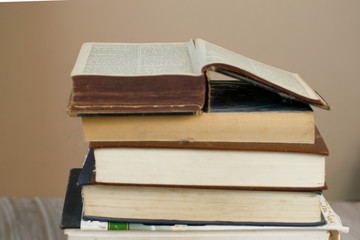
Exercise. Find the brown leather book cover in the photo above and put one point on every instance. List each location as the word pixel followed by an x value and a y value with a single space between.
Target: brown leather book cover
pixel 141 94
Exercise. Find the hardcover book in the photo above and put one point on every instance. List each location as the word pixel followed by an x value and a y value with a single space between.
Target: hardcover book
pixel 239 166
pixel 77 228
pixel 113 78
pixel 262 233
pixel 166 205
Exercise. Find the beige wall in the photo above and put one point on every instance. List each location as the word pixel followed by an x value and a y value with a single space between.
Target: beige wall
pixel 40 41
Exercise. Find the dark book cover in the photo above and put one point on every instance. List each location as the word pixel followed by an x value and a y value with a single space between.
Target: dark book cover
pixel 242 75
pixel 199 223
pixel 72 209
pixel 242 96
pixel 86 176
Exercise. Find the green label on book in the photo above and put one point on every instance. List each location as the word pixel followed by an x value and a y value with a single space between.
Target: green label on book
pixel 118 226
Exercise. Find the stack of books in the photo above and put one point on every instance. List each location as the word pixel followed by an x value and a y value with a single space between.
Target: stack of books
pixel 190 140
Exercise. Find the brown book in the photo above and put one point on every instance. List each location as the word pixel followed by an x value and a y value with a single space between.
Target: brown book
pixel 318 147
pixel 213 165
pixel 118 78
pixel 295 127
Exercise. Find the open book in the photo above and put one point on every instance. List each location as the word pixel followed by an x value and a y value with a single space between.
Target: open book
pixel 111 78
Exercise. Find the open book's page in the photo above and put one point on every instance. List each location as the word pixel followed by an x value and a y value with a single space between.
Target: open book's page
pixel 211 54
pixel 136 59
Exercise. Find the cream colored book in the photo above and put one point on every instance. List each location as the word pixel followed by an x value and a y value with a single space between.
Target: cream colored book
pixel 71 219
pixel 167 205
pixel 205 168
pixel 212 165
pixel 92 230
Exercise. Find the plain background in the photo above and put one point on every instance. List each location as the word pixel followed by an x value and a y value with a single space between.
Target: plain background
pixel 319 39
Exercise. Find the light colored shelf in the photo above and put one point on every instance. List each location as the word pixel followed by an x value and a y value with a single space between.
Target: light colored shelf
pixel 349 213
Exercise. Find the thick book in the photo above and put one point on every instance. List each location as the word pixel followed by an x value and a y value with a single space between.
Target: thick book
pixel 168 205
pixel 113 78
pixel 255 166
pixel 246 234
pixel 318 147
pixel 100 230
pixel 77 228
pixel 238 112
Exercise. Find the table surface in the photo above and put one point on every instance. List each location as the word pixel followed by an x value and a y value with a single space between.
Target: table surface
pixel 39 218
pixel 349 213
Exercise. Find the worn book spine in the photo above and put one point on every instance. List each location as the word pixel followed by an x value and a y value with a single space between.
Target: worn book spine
pixel 140 94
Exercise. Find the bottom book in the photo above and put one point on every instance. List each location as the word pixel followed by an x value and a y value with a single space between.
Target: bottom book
pixel 75 228
pixel 256 234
